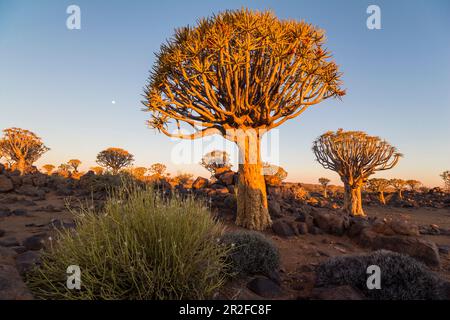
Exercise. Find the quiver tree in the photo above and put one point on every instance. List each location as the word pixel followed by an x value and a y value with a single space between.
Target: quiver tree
pixel 138 172
pixel 115 159
pixel 97 170
pixel 399 185
pixel 48 168
pixel 157 170
pixel 378 185
pixel 413 184
pixel 273 174
pixel 355 156
pixel 216 160
pixel 64 170
pixel 446 177
pixel 239 74
pixel 22 148
pixel 324 182
pixel 74 164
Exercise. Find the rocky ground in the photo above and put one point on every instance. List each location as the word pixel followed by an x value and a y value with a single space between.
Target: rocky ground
pixel 308 229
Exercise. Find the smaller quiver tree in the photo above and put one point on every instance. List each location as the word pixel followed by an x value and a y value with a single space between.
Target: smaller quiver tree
pixel 355 156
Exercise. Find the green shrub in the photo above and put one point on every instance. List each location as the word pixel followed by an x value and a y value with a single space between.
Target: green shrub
pixel 141 246
pixel 402 277
pixel 251 253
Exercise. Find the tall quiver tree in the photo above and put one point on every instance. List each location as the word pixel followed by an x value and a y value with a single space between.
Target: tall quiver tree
pixel 22 148
pixel 355 156
pixel 239 74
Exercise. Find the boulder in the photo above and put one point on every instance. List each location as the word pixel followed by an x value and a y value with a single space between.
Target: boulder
pixel 275 209
pixel 420 249
pixel 31 191
pixel 264 287
pixel 12 286
pixel 35 242
pixel 227 178
pixel 331 223
pixel 337 293
pixel 395 226
pixel 9 242
pixel 200 183
pixel 283 229
pixel 6 184
pixel 27 260
pixel 357 225
pixel 302 228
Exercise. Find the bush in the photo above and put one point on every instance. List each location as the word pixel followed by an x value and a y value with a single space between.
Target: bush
pixel 251 253
pixel 105 182
pixel 402 277
pixel 142 246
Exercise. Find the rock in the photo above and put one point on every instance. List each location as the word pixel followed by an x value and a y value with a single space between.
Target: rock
pixel 230 202
pixel 283 229
pixel 27 260
pixel 9 242
pixel 5 213
pixel 443 249
pixel 302 228
pixel 35 242
pixel 357 225
pixel 19 249
pixel 403 227
pixel 19 212
pixel 6 184
pixel 421 249
pixel 337 293
pixel 264 287
pixel 272 180
pixel 227 178
pixel 30 191
pixel 275 209
pixel 200 183
pixel 330 223
pixel 12 286
pixel 395 226
pixel 2 233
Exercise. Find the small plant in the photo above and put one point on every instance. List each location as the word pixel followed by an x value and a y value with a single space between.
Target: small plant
pixel 141 246
pixel 402 277
pixel 252 253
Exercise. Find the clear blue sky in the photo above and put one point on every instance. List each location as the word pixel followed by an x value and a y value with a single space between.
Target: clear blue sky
pixel 60 83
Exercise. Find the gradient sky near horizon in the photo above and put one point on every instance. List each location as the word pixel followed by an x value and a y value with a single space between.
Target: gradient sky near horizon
pixel 61 83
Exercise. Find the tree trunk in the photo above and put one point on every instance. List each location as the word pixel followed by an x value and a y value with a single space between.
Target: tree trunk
pixel 353 200
pixel 382 200
pixel 252 209
pixel 325 195
pixel 22 166
pixel 400 195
